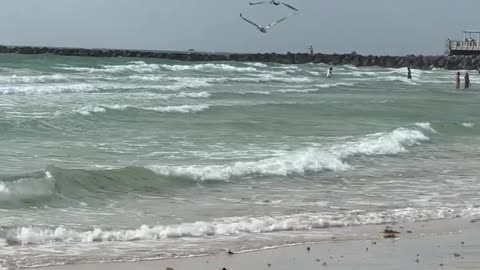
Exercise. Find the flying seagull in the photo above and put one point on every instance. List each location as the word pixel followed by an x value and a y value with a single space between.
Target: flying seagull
pixel 273 2
pixel 262 29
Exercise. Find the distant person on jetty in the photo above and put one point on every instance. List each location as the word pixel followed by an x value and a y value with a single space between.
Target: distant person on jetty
pixel 457 80
pixel 310 49
pixel 330 73
pixel 409 75
pixel 467 81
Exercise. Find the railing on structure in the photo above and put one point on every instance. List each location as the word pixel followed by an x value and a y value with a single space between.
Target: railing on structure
pixel 468 45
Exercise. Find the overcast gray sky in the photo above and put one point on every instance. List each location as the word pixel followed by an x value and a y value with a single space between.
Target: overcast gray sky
pixel 394 27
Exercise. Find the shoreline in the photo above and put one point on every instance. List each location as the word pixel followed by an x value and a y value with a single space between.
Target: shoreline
pixel 439 244
pixel 471 62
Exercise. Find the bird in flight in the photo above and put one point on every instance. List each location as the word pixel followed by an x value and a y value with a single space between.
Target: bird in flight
pixel 262 29
pixel 274 2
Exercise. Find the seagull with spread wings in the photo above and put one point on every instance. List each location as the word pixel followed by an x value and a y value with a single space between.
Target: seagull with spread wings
pixel 262 29
pixel 274 2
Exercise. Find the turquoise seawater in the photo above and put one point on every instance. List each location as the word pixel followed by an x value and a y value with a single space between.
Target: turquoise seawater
pixel 128 159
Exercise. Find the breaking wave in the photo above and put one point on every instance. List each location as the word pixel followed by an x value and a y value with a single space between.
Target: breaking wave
pixel 208 68
pixel 233 226
pixel 302 161
pixel 256 64
pixel 132 67
pixel 17 79
pixel 179 109
pixel 264 78
pixel 331 85
pixel 33 186
pixel 298 162
pixel 91 109
pixel 47 89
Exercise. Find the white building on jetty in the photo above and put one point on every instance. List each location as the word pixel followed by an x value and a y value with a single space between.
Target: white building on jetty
pixel 470 45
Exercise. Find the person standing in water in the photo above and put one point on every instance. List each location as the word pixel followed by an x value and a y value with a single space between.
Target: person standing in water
pixel 330 72
pixel 457 80
pixel 409 75
pixel 467 81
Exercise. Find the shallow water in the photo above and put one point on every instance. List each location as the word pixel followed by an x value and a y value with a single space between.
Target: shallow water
pixel 114 159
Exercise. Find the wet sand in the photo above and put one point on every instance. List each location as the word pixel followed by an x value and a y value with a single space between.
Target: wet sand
pixel 452 244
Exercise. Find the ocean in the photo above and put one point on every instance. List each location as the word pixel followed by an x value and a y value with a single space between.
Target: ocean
pixel 116 159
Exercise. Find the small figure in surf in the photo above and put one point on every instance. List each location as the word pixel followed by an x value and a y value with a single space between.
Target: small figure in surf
pixel 467 81
pixel 330 73
pixel 409 75
pixel 457 80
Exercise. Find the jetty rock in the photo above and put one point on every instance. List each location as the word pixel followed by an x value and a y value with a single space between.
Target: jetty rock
pixel 469 62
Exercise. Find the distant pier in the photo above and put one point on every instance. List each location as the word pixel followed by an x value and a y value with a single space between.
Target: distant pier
pixel 414 61
pixel 470 45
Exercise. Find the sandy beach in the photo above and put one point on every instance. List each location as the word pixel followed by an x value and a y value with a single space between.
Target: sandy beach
pixel 451 244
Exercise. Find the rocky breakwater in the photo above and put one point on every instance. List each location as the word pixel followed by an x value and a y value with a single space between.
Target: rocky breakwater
pixel 414 61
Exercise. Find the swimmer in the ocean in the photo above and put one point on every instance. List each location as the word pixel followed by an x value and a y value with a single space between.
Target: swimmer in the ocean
pixel 330 73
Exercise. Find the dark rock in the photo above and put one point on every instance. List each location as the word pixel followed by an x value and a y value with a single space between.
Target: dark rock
pixel 389 230
pixel 390 235
pixel 419 61
pixel 230 252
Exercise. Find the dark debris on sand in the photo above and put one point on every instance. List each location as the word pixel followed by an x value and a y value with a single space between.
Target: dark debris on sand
pixel 389 232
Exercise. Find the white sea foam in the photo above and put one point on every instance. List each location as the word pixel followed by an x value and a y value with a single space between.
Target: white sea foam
pixel 90 109
pixel 234 226
pixel 331 85
pixel 264 78
pixel 186 83
pixel 301 161
pixel 208 68
pixel 294 163
pixel 256 64
pixel 47 89
pixel 192 95
pixel 148 78
pixel 468 125
pixel 381 143
pixel 180 109
pixel 18 79
pixel 306 90
pixel 288 67
pixel 426 126
pixel 185 95
pixel 3 189
pixel 138 67
pixel 27 187
pixel 402 79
